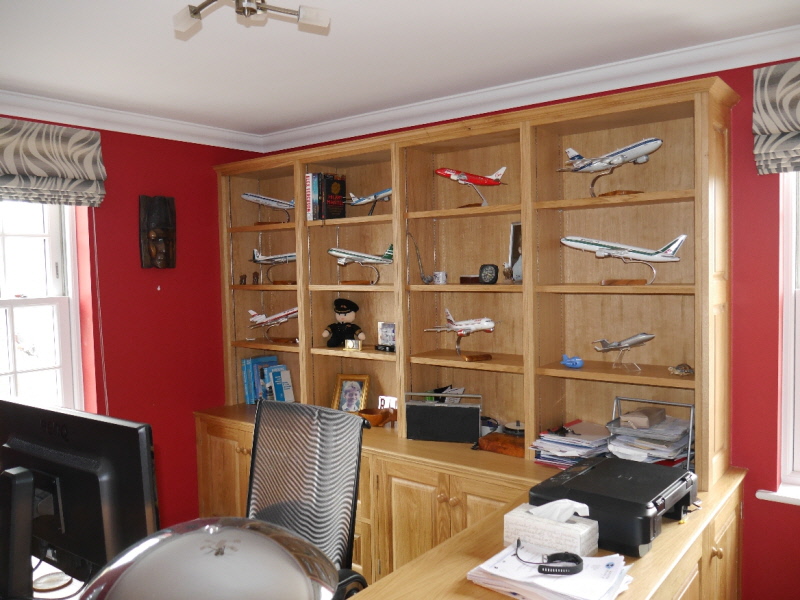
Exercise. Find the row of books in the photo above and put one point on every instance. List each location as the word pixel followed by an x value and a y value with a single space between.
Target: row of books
pixel 325 196
pixel 265 379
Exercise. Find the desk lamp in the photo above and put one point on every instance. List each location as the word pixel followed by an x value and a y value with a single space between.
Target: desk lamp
pixel 217 558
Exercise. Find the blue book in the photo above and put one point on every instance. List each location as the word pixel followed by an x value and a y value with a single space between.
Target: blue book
pixel 257 364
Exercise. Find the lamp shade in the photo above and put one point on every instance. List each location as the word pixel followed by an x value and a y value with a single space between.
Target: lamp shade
pixel 217 559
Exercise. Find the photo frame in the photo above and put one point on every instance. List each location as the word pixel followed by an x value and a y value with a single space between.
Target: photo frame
pixel 350 392
pixel 514 269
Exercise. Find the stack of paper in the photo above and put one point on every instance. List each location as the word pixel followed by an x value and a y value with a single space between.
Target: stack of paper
pixel 581 439
pixel 602 577
pixel 666 442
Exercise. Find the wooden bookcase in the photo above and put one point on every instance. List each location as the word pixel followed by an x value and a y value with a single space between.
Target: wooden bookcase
pixel 560 306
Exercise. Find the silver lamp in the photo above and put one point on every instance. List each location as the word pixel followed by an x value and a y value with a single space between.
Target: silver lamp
pixel 190 16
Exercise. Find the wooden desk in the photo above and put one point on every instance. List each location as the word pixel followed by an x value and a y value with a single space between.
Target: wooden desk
pixel 678 566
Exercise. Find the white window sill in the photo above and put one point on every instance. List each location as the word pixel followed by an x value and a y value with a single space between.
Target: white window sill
pixel 787 494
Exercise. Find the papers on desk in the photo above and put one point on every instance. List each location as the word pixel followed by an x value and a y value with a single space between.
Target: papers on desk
pixel 602 577
pixel 666 441
pixel 581 440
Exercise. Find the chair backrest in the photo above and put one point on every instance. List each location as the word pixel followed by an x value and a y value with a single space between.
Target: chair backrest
pixel 304 474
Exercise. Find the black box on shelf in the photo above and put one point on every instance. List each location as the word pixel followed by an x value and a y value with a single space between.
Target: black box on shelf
pixel 443 422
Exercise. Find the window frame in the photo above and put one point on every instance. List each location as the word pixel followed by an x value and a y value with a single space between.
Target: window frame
pixel 63 295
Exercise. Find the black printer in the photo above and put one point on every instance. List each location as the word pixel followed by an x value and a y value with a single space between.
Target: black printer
pixel 626 498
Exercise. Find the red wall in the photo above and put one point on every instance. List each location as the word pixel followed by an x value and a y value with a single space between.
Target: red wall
pixel 159 340
pixel 161 329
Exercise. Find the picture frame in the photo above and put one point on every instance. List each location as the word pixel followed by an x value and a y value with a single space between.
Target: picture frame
pixel 514 253
pixel 350 392
pixel 386 333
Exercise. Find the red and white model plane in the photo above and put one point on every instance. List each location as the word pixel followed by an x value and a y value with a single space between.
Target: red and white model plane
pixel 473 180
pixel 261 320
pixel 466 327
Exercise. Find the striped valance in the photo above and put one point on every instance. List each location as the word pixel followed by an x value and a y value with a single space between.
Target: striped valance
pixel 50 164
pixel 776 118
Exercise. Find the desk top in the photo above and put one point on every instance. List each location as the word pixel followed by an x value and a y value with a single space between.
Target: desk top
pixel 441 572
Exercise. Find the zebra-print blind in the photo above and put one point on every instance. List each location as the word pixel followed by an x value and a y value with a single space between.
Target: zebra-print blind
pixel 776 118
pixel 50 164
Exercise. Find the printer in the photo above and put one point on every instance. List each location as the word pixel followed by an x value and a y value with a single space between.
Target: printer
pixel 627 499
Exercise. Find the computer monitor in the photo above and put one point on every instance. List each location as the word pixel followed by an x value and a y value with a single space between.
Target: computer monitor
pixel 76 489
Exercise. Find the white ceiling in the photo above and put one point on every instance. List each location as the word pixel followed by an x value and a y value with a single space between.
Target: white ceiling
pixel 381 64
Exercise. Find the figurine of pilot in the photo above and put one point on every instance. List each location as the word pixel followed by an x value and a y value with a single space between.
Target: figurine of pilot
pixel 344 328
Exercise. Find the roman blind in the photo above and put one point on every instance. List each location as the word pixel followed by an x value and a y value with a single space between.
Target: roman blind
pixel 776 118
pixel 50 164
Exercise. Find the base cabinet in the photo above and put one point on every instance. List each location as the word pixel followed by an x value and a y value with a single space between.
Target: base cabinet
pixel 419 508
pixel 721 565
pixel 224 448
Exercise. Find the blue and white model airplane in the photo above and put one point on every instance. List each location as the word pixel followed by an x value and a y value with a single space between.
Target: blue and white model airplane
pixel 637 153
pixel 275 259
pixel 382 196
pixel 603 249
pixel 344 257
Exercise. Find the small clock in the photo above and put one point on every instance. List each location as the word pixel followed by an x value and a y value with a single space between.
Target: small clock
pixel 488 273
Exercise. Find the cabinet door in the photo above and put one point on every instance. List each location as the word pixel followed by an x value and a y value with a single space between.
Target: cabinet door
pixel 223 468
pixel 684 581
pixel 412 513
pixel 724 555
pixel 362 550
pixel 471 500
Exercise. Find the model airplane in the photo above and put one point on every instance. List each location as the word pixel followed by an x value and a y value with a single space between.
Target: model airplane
pixel 464 328
pixel 275 259
pixel 382 196
pixel 572 362
pixel 603 249
pixel 473 180
pixel 637 153
pixel 261 320
pixel 344 257
pixel 284 205
pixel 635 340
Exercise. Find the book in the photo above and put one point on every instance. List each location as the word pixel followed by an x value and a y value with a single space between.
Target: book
pixel 332 194
pixel 251 376
pixel 282 384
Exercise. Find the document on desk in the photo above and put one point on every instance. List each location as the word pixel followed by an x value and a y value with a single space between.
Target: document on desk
pixel 602 578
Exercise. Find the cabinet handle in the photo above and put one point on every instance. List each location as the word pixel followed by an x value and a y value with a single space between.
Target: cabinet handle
pixel 442 497
pixel 717 552
pixel 245 451
pixel 454 501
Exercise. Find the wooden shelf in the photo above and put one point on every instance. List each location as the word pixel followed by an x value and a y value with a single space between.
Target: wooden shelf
pixel 501 363
pixel 264 344
pixel 498 288
pixel 592 370
pixel 262 227
pixel 677 289
pixel 366 220
pixel 470 211
pixel 265 287
pixel 620 200
pixel 366 353
pixel 351 288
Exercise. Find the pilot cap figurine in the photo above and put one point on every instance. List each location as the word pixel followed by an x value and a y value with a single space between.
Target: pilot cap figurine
pixel 344 328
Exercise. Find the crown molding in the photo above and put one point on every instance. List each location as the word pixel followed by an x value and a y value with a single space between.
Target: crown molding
pixel 744 51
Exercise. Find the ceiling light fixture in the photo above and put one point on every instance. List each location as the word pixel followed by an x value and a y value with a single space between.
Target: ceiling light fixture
pixel 190 16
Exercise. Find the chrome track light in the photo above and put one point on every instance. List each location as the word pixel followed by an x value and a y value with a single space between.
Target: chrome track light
pixel 190 16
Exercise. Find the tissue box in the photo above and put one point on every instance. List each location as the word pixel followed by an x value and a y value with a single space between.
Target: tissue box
pixel 577 535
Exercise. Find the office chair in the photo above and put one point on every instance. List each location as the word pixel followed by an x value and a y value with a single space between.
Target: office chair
pixel 304 477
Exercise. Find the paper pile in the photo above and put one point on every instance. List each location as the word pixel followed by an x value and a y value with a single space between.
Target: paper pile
pixel 574 441
pixel 602 578
pixel 666 442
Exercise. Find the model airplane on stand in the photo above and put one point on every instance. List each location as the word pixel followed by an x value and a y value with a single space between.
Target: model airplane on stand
pixel 284 205
pixel 637 153
pixel 473 180
pixel 345 257
pixel 463 329
pixel 626 253
pixel 382 196
pixel 275 259
pixel 262 320
pixel 623 346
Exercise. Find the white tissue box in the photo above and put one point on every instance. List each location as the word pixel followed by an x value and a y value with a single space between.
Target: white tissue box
pixel 577 535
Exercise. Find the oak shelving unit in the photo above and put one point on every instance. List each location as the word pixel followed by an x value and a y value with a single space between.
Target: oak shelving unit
pixel 559 308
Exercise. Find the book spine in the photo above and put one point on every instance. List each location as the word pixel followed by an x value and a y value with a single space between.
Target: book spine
pixel 247 375
pixel 288 389
pixel 309 200
pixel 277 384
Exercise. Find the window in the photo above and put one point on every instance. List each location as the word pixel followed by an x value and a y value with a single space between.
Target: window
pixel 790 197
pixel 39 329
